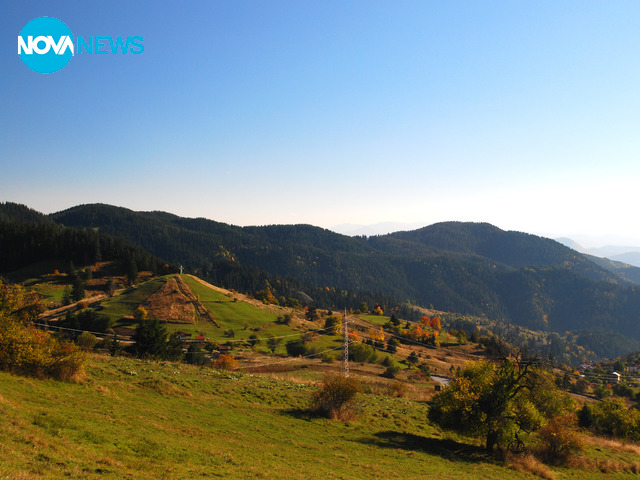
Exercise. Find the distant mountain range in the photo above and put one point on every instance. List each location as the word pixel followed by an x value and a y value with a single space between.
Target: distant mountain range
pixel 470 268
pixel 618 253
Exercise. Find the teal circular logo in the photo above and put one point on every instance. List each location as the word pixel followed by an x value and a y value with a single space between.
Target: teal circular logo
pixel 45 44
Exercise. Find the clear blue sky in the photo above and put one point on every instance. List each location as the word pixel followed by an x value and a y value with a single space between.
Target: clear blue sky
pixel 524 114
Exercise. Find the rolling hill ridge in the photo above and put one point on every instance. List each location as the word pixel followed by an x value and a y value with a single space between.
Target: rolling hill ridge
pixel 471 268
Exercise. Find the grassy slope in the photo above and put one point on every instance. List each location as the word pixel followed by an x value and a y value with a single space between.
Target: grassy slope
pixel 126 303
pixel 162 420
pixel 241 317
pixel 172 421
pixel 229 314
pixel 143 419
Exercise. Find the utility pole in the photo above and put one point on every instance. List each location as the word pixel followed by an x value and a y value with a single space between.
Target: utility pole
pixel 345 346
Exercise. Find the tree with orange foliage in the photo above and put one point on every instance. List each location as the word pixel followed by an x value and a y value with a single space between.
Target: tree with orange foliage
pixel 224 362
pixel 418 333
pixel 354 337
pixel 435 323
pixel 377 334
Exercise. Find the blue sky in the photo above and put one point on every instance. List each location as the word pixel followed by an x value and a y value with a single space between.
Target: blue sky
pixel 524 114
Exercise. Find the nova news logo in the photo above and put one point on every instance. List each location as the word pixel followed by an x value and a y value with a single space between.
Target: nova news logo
pixel 46 45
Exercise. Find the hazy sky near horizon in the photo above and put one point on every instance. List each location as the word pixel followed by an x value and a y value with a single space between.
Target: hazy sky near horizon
pixel 523 114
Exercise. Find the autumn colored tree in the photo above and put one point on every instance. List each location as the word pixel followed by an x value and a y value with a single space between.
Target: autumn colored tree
pixel 26 350
pixel 354 337
pixel 86 340
pixel 435 323
pixel 140 314
pixel 333 325
pixel 224 362
pixel 335 397
pixel 267 297
pixel 311 313
pixel 498 400
pixel 377 334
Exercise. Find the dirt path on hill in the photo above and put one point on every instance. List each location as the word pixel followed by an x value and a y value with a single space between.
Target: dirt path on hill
pixel 186 291
pixel 58 312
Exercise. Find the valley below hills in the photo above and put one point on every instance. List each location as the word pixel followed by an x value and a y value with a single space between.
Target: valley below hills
pixel 465 268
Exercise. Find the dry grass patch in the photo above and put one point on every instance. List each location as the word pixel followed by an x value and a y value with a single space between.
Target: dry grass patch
pixel 602 442
pixel 169 304
pixel 603 465
pixel 528 463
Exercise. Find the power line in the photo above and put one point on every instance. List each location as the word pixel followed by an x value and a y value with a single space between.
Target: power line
pixel 345 346
pixel 69 329
pixel 311 355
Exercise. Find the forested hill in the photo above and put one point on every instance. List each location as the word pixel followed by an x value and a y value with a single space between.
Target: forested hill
pixel 28 237
pixel 513 249
pixel 15 212
pixel 460 267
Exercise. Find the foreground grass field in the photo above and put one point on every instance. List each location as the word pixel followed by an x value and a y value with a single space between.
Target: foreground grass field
pixel 143 419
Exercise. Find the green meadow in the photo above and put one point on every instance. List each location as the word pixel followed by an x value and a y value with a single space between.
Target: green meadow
pixel 143 419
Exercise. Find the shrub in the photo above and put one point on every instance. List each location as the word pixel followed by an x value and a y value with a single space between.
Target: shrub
pixel 585 416
pixel 612 417
pixel 253 340
pixel 335 398
pixel 328 357
pixel 195 356
pixel 361 353
pixel 86 340
pixel 284 319
pixel 425 369
pixel 140 314
pixel 28 351
pixel 273 342
pixel 623 390
pixel 397 389
pixel 224 362
pixel 296 348
pixel 412 358
pixel 559 439
pixel 333 325
pixel 292 302
pixel 114 347
pixel 391 371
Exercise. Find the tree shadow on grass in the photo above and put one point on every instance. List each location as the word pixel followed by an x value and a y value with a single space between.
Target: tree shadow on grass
pixel 301 413
pixel 443 447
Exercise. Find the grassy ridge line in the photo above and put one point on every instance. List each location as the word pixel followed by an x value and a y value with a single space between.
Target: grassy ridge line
pixel 161 420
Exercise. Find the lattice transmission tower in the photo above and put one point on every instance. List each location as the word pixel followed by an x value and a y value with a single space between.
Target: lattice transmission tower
pixel 345 345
